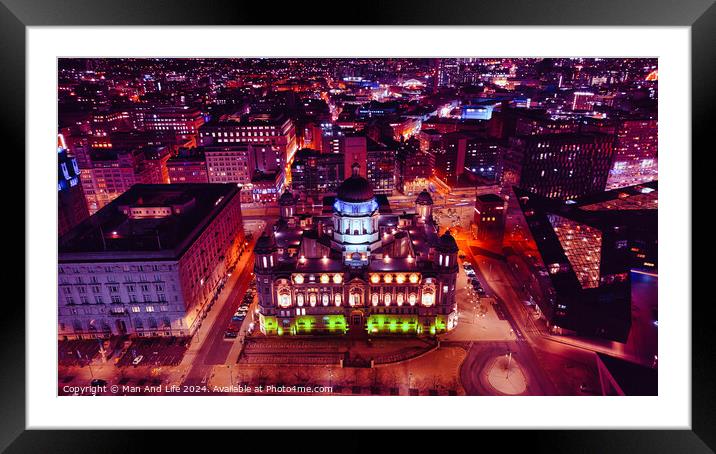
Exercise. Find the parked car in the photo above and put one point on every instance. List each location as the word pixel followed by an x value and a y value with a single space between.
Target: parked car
pixel 98 382
pixel 137 360
pixel 231 334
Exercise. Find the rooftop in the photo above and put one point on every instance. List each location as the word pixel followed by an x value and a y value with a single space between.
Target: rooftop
pixel 147 222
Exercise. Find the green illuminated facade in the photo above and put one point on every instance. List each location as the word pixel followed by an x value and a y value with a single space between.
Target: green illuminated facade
pixel 359 270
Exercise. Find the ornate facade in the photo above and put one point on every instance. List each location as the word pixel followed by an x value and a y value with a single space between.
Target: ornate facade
pixel 357 268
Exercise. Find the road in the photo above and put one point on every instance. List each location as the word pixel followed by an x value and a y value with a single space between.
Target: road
pixel 480 353
pixel 214 349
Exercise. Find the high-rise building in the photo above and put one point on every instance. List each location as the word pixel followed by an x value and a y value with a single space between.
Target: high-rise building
pixel 635 153
pixel 587 247
pixel 561 166
pixel 71 203
pixel 483 157
pixel 150 262
pixel 315 174
pixel 381 166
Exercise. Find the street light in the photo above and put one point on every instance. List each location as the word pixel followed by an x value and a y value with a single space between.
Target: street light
pixel 509 362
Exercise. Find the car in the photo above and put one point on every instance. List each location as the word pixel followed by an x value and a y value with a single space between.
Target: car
pixel 244 307
pixel 467 265
pixel 137 360
pixel 231 334
pixel 481 291
pixel 474 281
pixel 98 382
pixel 237 317
pixel 470 273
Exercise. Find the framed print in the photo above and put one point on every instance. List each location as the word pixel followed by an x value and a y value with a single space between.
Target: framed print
pixel 402 218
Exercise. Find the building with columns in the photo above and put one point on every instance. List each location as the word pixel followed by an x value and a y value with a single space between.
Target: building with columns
pixel 357 269
pixel 150 262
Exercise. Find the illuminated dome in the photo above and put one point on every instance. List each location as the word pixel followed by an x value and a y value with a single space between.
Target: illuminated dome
pixel 424 198
pixel 286 199
pixel 355 189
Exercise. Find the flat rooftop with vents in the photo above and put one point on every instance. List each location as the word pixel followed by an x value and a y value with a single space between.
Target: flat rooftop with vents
pixel 147 222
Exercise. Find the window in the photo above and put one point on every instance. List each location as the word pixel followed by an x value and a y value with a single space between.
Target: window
pixel 149 309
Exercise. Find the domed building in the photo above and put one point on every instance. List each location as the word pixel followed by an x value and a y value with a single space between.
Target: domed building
pixel 355 219
pixel 357 267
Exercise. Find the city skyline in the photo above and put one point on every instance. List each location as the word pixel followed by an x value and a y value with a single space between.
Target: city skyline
pixel 431 226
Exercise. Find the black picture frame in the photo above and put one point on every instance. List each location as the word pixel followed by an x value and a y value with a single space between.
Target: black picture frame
pixel 16 15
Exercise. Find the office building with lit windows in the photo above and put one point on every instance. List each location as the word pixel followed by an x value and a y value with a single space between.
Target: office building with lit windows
pixel 71 203
pixel 359 269
pixel 490 212
pixel 150 262
pixel 588 247
pixel 563 166
pixel 276 131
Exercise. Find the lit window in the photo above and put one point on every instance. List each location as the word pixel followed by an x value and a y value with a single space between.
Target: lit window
pixel 375 299
pixel 428 298
pixel 284 299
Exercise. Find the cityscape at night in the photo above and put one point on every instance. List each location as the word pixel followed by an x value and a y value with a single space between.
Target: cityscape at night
pixel 357 226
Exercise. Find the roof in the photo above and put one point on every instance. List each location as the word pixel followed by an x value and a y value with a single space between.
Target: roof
pixel 355 189
pixel 424 198
pixel 633 379
pixel 112 234
pixel 490 198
